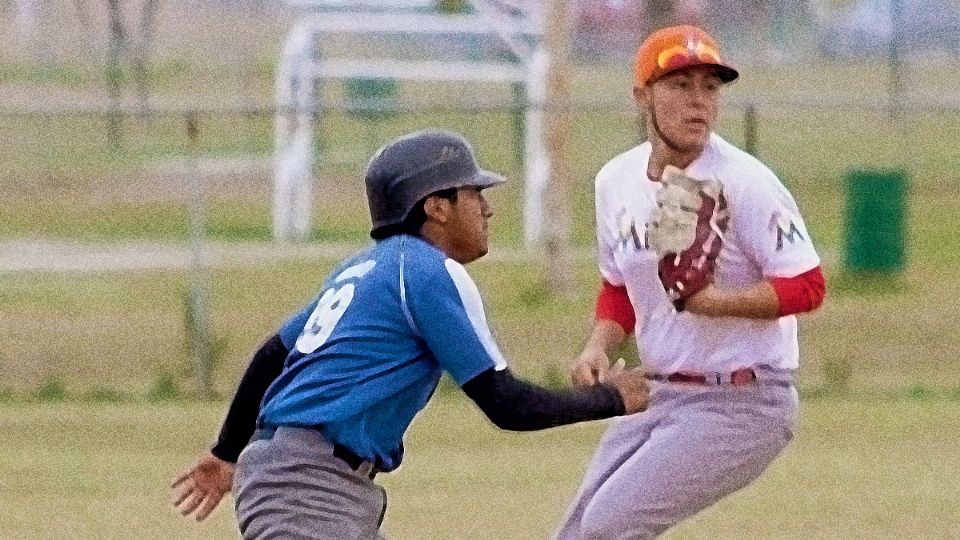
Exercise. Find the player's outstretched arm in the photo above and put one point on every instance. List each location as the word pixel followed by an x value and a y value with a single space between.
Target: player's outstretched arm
pixel 241 419
pixel 199 489
pixel 517 405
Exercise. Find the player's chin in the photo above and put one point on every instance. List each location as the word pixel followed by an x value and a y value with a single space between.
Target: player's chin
pixel 474 252
pixel 467 259
pixel 694 140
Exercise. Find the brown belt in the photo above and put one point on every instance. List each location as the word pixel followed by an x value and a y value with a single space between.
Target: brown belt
pixel 740 377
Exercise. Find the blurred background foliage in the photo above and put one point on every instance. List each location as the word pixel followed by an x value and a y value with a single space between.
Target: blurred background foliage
pixel 95 153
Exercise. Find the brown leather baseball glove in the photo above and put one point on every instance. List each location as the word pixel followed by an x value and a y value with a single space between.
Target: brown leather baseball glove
pixel 686 232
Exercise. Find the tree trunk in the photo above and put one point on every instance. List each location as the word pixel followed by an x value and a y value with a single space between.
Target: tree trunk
pixel 141 54
pixel 118 39
pixel 558 270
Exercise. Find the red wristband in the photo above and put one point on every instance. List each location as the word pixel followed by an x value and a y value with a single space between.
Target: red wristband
pixel 801 293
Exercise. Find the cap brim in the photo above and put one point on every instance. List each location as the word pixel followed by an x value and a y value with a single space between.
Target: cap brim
pixel 726 73
pixel 484 179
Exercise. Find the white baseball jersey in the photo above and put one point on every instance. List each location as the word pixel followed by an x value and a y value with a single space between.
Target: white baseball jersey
pixel 766 237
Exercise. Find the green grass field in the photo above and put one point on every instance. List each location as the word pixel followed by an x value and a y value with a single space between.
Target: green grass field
pixel 125 331
pixel 859 468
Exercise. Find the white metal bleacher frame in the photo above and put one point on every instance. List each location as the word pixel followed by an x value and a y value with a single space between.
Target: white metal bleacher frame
pixel 300 71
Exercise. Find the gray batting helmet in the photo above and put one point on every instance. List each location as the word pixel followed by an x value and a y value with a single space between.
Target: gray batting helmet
pixel 411 167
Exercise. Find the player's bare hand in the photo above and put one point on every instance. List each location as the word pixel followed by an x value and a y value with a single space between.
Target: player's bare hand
pixel 590 368
pixel 633 387
pixel 199 489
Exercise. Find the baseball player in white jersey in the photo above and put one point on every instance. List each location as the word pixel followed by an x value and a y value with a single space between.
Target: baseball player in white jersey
pixel 705 258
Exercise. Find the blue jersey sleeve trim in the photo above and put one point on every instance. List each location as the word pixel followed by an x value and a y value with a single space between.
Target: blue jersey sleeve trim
pixel 447 308
pixel 403 291
pixel 473 304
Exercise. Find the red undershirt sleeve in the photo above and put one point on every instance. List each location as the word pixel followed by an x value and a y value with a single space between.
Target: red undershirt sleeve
pixel 800 294
pixel 613 304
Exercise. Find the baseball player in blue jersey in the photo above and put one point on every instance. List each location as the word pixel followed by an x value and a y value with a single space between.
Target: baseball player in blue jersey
pixel 342 379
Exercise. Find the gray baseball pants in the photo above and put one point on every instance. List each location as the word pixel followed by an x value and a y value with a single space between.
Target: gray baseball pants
pixel 693 446
pixel 291 486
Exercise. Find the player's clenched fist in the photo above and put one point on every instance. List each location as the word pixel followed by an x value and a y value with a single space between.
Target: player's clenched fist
pixel 633 387
pixel 590 368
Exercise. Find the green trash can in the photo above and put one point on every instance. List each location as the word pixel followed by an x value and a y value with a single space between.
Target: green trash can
pixel 875 228
pixel 453 7
pixel 372 99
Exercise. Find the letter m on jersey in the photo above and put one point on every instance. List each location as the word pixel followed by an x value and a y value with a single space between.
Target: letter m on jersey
pixel 627 231
pixel 785 229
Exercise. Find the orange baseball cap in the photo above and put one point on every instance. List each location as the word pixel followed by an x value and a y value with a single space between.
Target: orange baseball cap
pixel 675 48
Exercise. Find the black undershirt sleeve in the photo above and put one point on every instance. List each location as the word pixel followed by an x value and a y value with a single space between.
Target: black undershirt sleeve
pixel 241 420
pixel 516 405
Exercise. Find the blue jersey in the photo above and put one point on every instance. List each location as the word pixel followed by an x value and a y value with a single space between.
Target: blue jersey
pixel 367 354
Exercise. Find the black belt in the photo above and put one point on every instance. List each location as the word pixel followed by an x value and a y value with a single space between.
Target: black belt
pixel 340 452
pixel 352 460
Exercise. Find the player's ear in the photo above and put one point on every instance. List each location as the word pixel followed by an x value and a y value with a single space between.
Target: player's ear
pixel 641 96
pixel 437 208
